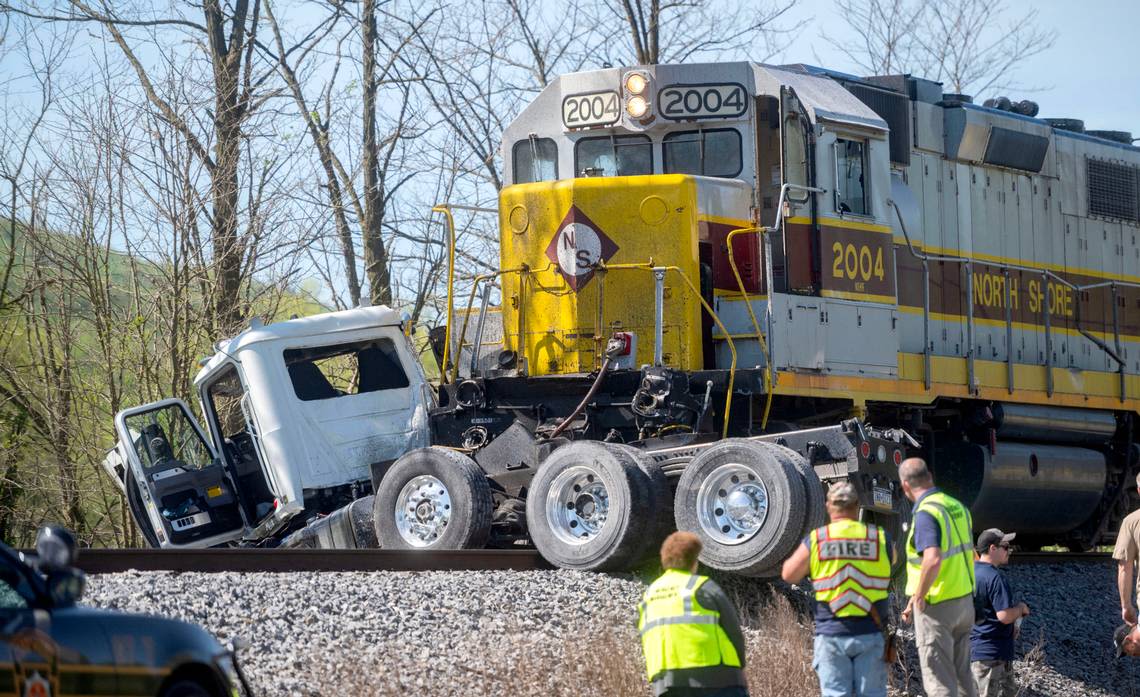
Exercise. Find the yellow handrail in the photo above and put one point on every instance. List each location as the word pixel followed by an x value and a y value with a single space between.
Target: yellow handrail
pixel 446 210
pixel 755 323
pixel 467 312
pixel 712 313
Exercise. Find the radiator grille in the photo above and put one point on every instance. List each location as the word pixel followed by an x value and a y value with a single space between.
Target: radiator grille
pixel 1114 191
pixel 894 108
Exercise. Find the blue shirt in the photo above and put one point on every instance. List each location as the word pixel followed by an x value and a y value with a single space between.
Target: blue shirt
pixel 827 624
pixel 990 640
pixel 926 530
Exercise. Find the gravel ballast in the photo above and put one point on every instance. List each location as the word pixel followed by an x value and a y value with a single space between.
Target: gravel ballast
pixel 482 632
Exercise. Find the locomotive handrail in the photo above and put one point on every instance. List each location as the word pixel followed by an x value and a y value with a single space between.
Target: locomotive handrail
pixel 649 266
pixel 1046 274
pixel 467 313
pixel 446 209
pixel 770 374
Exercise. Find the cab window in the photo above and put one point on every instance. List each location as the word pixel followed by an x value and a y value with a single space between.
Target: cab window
pixel 326 372
pixel 850 182
pixel 534 160
pixel 165 437
pixel 613 156
pixel 712 153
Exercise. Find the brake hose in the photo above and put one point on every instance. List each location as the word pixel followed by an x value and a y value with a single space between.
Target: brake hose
pixel 613 347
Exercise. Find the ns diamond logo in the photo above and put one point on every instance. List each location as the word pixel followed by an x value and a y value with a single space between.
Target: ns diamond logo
pixel 578 247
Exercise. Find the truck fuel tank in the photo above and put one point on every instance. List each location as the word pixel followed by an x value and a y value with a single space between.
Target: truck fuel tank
pixel 1028 488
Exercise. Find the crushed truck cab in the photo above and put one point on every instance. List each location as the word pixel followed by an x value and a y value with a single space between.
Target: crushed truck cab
pixel 297 415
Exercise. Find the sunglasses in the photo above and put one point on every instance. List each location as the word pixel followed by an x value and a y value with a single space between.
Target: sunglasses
pixel 1004 546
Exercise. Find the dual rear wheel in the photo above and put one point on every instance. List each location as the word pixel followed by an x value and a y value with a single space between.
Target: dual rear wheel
pixel 606 507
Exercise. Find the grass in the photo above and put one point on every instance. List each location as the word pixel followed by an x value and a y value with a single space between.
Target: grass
pixel 602 662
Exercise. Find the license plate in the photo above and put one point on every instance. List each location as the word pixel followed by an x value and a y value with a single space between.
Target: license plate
pixel 882 497
pixel 190 521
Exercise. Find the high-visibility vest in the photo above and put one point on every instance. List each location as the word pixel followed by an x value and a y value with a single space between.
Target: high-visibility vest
pixel 956 573
pixel 676 632
pixel 850 567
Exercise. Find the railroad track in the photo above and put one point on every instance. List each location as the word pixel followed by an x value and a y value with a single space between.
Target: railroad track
pixel 1056 557
pixel 107 561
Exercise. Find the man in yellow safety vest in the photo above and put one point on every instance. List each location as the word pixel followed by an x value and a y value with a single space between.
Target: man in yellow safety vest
pixel 850 567
pixel 940 583
pixel 690 632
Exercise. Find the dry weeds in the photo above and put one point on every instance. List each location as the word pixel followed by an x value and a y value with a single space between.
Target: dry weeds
pixel 603 661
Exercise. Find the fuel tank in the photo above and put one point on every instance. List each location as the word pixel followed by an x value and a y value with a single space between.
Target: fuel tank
pixel 1028 488
pixel 1029 422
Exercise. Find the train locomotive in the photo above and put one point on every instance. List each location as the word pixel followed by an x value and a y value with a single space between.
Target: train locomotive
pixel 779 248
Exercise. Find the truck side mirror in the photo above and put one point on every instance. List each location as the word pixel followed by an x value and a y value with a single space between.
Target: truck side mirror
pixel 55 548
pixel 437 336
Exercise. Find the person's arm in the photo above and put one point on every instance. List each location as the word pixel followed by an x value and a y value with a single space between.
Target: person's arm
pixel 1124 570
pixel 1011 614
pixel 713 597
pixel 796 566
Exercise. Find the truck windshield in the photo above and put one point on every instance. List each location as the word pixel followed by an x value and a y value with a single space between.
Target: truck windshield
pixel 326 372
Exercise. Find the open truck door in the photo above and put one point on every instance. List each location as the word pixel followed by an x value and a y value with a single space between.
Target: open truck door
pixel 177 487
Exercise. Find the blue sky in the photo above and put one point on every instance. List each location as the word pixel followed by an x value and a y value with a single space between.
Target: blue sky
pixel 1092 72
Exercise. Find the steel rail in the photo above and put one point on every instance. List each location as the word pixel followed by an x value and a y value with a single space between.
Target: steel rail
pixel 1058 557
pixel 247 560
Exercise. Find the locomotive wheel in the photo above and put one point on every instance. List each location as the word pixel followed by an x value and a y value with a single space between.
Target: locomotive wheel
pixel 747 504
pixel 659 511
pixel 588 508
pixel 433 498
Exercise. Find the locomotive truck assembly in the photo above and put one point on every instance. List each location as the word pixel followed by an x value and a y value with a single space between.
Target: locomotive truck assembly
pixel 713 277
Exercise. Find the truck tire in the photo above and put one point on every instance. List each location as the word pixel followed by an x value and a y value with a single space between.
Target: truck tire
pixel 747 504
pixel 432 498
pixel 814 495
pixel 813 488
pixel 659 511
pixel 588 508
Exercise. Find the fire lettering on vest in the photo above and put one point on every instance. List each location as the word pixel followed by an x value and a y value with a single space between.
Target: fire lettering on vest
pixel 848 549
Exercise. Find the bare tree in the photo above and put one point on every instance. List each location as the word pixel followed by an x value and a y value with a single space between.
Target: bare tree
pixel 971 46
pixel 227 33
pixel 676 31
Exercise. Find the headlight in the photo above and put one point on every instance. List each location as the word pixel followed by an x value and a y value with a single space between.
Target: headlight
pixel 635 83
pixel 637 106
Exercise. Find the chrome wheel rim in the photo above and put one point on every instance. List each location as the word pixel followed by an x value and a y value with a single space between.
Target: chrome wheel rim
pixel 423 510
pixel 577 505
pixel 732 504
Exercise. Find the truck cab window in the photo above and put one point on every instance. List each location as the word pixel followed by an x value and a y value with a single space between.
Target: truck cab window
pixel 712 153
pixel 325 372
pixel 613 156
pixel 850 184
pixel 534 160
pixel 167 438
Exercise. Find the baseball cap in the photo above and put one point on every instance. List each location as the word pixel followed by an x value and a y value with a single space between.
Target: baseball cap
pixel 993 536
pixel 842 494
pixel 1118 639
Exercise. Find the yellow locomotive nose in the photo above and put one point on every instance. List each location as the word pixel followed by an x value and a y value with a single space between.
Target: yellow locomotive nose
pixel 580 252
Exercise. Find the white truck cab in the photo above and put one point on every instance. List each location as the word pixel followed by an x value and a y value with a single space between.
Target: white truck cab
pixel 297 413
